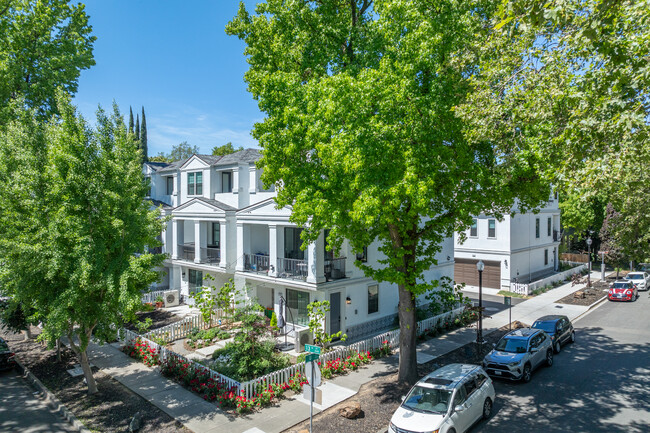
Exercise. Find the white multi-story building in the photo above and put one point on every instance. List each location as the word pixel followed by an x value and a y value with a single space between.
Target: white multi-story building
pixel 225 224
pixel 522 248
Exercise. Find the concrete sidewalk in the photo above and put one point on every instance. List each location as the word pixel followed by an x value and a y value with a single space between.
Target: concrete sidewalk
pixel 202 417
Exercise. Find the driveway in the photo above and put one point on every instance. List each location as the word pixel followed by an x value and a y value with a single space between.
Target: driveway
pixel 599 384
pixel 21 411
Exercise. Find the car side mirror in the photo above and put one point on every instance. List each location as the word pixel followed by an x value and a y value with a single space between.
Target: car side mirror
pixel 403 398
pixel 459 408
pixel 494 345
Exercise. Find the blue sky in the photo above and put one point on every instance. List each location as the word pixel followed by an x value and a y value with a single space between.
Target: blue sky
pixel 175 59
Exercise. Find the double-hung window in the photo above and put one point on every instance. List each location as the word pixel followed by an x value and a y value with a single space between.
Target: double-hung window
pixel 473 230
pixel 363 255
pixel 548 226
pixel 545 257
pixel 195 183
pixel 537 228
pixel 492 228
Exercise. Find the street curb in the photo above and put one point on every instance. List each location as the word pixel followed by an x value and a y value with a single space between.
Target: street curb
pixel 50 399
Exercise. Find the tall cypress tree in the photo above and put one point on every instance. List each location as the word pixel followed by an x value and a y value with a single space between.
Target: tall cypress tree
pixel 130 120
pixel 143 138
pixel 137 128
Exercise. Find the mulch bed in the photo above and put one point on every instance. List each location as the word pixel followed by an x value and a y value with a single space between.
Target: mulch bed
pixel 380 398
pixel 595 293
pixel 159 318
pixel 110 410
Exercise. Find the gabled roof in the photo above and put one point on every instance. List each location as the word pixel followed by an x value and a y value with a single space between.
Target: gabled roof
pixel 158 203
pixel 213 204
pixel 246 156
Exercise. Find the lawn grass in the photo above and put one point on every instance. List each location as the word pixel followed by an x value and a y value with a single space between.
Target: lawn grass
pixel 512 294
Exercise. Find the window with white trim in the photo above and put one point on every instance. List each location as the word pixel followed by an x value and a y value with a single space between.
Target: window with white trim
pixel 195 183
pixel 373 299
pixel 492 228
pixel 473 230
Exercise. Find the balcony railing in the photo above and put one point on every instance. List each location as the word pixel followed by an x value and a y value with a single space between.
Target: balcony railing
pixel 187 251
pixel 292 268
pixel 256 263
pixel 211 254
pixel 335 269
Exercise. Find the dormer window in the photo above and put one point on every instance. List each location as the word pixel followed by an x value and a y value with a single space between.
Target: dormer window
pixel 195 183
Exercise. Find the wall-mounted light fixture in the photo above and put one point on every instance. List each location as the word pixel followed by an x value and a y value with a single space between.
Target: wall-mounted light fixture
pixel 448 258
pixel 348 300
pixel 183 274
pixel 506 262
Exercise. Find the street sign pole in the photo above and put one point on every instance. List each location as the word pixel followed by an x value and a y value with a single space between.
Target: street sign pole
pixel 508 301
pixel 311 400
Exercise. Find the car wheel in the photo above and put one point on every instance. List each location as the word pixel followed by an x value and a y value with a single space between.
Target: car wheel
pixel 487 408
pixel 549 357
pixel 451 430
pixel 526 375
pixel 558 346
pixel 573 336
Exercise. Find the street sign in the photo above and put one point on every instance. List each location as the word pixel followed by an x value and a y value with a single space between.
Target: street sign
pixel 312 349
pixel 507 300
pixel 311 357
pixel 313 379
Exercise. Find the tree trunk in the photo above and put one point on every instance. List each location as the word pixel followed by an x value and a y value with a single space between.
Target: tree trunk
pixel 28 333
pixel 82 355
pixel 408 366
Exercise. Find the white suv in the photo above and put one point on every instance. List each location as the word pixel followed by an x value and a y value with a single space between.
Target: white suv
pixel 640 279
pixel 449 400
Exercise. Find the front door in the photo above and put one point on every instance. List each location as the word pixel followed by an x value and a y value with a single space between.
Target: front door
pixel 335 312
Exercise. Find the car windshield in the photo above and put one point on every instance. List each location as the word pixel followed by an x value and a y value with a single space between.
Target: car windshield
pixel 546 326
pixel 429 400
pixel 514 345
pixel 635 277
pixel 621 285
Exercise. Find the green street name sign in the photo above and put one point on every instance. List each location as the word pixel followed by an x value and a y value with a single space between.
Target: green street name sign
pixel 312 349
pixel 311 357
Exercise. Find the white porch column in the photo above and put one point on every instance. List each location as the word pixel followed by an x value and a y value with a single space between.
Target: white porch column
pixel 252 184
pixel 273 250
pixel 240 247
pixel 200 240
pixel 316 260
pixel 177 237
pixel 222 244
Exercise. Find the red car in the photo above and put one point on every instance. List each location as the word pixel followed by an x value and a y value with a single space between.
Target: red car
pixel 622 291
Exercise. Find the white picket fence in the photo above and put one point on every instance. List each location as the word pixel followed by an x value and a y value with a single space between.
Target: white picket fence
pixel 183 328
pixel 256 385
pixel 127 336
pixel 251 388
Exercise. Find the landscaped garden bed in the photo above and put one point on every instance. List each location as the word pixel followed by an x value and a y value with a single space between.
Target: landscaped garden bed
pixel 110 410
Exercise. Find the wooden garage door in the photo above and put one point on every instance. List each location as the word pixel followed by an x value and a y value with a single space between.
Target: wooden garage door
pixel 465 272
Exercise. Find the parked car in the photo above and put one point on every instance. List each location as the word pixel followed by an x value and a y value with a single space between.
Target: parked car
pixel 559 328
pixel 640 279
pixel 7 361
pixel 622 290
pixel 519 353
pixel 449 400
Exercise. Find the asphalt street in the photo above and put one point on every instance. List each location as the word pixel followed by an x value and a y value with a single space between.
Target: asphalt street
pixel 21 411
pixel 601 383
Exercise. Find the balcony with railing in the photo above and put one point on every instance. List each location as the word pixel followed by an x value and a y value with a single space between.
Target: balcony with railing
pixel 187 251
pixel 294 269
pixel 335 269
pixel 211 255
pixel 257 263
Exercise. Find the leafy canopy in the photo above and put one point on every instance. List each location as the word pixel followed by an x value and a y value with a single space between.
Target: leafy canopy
pixel 44 45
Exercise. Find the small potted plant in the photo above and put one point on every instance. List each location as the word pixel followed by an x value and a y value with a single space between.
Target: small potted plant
pixel 159 302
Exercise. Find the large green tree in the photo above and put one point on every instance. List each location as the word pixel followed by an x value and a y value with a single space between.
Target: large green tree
pixel 361 134
pixel 182 150
pixel 570 79
pixel 44 44
pixel 73 225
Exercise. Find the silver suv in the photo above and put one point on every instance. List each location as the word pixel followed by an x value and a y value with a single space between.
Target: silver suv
pixel 519 353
